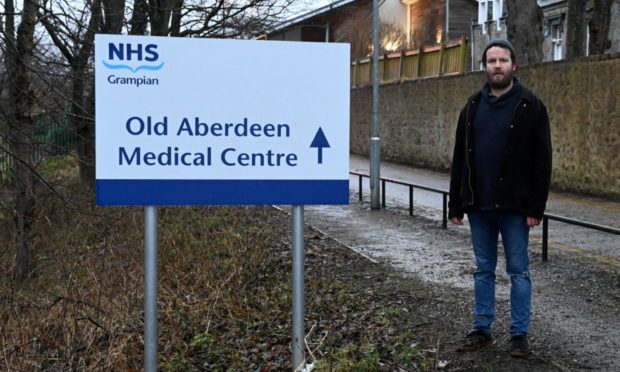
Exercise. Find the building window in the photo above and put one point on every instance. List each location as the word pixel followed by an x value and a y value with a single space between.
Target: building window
pixel 557 35
pixel 490 10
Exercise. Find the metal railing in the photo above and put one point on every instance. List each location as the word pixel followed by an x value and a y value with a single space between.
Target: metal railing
pixel 411 186
pixel 445 193
pixel 51 138
pixel 571 221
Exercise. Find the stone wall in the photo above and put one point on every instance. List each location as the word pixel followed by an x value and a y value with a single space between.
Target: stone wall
pixel 418 120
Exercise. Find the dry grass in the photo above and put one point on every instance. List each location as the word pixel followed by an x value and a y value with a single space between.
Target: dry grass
pixel 83 307
pixel 224 292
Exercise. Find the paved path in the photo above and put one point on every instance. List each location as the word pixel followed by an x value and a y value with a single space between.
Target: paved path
pixel 563 236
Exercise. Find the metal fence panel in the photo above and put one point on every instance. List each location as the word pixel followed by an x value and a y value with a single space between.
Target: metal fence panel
pixel 51 138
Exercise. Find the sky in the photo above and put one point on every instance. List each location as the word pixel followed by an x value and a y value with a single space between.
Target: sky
pixel 308 5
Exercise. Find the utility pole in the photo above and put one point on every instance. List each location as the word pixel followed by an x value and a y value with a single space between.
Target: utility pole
pixel 375 140
pixel 447 31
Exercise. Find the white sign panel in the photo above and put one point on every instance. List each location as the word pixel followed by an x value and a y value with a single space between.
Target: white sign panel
pixel 210 121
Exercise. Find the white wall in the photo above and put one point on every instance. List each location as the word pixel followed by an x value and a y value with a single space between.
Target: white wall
pixel 394 11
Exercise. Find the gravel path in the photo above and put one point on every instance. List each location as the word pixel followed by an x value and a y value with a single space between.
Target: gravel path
pixel 575 323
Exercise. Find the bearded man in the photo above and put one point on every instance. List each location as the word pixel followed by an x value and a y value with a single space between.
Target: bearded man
pixel 500 176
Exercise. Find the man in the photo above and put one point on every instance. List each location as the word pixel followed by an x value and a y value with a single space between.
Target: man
pixel 501 169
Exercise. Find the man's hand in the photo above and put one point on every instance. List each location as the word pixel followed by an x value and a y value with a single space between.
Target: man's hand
pixel 531 222
pixel 457 221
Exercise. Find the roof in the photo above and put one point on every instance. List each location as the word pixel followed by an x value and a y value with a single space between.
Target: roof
pixel 302 17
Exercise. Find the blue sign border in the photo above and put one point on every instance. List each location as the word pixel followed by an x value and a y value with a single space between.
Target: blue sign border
pixel 222 192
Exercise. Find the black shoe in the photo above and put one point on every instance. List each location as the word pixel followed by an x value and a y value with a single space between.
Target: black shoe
pixel 475 340
pixel 519 347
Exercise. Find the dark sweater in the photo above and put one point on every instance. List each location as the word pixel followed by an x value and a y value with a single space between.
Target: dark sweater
pixel 490 131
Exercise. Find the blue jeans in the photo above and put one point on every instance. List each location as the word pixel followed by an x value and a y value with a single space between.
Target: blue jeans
pixel 485 229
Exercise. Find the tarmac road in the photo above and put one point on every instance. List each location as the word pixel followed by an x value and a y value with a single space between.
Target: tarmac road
pixel 576 293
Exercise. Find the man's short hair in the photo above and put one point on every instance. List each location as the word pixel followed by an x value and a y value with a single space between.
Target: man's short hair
pixel 502 43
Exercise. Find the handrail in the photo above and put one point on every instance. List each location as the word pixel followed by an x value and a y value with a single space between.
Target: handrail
pixel 571 221
pixel 546 216
pixel 411 186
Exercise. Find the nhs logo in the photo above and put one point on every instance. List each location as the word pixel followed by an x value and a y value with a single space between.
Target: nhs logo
pixel 133 57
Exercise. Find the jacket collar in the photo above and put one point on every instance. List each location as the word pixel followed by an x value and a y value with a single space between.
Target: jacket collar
pixel 526 95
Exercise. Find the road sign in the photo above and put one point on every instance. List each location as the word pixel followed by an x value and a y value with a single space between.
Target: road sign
pixel 200 121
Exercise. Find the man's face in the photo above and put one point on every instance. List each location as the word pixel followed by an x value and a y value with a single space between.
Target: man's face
pixel 500 67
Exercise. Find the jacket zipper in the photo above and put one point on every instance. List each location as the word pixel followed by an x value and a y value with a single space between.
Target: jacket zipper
pixel 511 126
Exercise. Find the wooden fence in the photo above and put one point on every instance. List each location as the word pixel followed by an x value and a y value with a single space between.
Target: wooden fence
pixel 444 59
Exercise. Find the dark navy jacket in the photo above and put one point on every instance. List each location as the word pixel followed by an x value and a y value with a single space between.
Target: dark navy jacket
pixel 523 182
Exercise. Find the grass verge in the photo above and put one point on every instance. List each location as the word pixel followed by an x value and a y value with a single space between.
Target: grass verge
pixel 224 293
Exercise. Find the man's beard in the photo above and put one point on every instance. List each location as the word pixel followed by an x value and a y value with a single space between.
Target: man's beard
pixel 500 84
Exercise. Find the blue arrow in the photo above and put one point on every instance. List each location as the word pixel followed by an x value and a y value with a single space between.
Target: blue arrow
pixel 320 142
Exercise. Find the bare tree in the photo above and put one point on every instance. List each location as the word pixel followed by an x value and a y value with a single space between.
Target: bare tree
pixel 73 33
pixel 160 15
pixel 525 30
pixel 576 28
pixel 72 27
pixel 212 18
pixel 139 18
pixel 19 60
pixel 599 27
pixel 215 18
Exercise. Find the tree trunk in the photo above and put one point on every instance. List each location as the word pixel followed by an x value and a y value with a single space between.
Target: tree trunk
pixel 19 56
pixel 160 13
pixel 599 27
pixel 161 17
pixel 82 111
pixel 83 122
pixel 114 16
pixel 139 18
pixel 105 16
pixel 525 30
pixel 576 29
